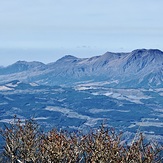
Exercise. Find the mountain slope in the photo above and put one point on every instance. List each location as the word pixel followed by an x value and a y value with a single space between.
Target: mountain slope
pixel 139 68
pixel 20 66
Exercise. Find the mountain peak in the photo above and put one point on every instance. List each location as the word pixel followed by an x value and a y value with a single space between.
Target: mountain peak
pixel 155 51
pixel 147 50
pixel 114 53
pixel 28 63
pixel 67 58
pixel 19 63
pixel 151 54
pixel 139 50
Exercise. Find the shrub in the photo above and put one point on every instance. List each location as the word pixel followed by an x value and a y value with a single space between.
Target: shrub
pixel 25 144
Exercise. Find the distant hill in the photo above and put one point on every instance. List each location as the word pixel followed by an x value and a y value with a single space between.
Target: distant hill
pixel 139 68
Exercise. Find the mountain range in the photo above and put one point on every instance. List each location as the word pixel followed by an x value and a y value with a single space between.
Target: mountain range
pixel 123 90
pixel 139 68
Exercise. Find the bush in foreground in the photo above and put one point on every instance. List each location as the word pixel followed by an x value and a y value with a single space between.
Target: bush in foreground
pixel 25 144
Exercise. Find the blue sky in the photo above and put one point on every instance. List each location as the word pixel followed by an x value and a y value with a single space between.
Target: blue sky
pixel 46 30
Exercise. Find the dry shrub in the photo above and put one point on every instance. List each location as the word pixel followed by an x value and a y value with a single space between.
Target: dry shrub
pixel 25 144
pixel 21 141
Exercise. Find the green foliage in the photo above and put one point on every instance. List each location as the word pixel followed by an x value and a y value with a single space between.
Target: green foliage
pixel 25 144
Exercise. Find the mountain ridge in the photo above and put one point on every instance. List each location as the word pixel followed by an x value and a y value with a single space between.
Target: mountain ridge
pixel 140 68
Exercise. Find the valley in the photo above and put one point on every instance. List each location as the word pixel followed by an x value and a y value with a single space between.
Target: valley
pixel 85 106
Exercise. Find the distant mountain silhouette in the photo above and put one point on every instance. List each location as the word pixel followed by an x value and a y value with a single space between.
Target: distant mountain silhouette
pixel 139 68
